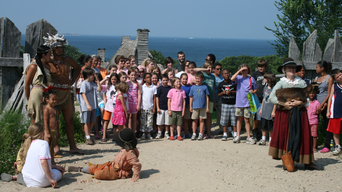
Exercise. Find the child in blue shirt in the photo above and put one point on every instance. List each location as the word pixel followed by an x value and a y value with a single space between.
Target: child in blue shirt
pixel 199 104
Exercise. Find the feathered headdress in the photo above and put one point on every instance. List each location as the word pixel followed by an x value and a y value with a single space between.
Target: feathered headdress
pixel 55 40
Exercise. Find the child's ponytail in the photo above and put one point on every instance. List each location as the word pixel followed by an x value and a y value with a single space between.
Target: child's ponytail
pixel 34 133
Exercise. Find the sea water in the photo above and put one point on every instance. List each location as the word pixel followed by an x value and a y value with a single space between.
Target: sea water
pixel 195 49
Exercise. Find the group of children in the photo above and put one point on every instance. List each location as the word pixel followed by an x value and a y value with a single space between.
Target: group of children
pixel 143 99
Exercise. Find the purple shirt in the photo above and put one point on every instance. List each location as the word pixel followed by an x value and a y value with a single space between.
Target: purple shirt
pixel 176 97
pixel 243 87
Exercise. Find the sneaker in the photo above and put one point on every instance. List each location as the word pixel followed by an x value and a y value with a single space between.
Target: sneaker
pixel 179 138
pixel 236 139
pixel 89 142
pixel 200 137
pixel 148 136
pixel 167 136
pixel 250 141
pixel 187 136
pixel 232 134
pixel 262 142
pixel 159 136
pixel 143 137
pixel 172 138
pixel 337 150
pixel 224 138
pixel 193 137
pixel 324 150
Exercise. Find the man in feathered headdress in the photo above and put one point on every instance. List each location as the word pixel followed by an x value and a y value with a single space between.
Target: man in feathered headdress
pixel 60 77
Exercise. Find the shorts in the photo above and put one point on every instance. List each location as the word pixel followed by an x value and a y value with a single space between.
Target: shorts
pixel 163 117
pixel 243 111
pixel 187 113
pixel 211 107
pixel 257 117
pixel 266 124
pixel 101 105
pixel 334 125
pixel 107 115
pixel 228 112
pixel 313 129
pixel 199 113
pixel 88 116
pixel 98 112
pixel 176 118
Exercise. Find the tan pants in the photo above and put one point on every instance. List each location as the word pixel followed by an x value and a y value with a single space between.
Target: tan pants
pixel 105 171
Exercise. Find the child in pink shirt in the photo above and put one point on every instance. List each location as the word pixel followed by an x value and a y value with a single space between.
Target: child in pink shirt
pixel 176 107
pixel 313 112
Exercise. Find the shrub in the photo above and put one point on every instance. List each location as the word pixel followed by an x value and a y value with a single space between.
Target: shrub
pixel 11 132
pixel 78 130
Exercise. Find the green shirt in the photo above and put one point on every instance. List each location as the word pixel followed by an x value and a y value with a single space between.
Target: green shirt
pixel 209 81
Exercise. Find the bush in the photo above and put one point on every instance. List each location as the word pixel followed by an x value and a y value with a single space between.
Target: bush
pixel 232 63
pixel 78 130
pixel 11 133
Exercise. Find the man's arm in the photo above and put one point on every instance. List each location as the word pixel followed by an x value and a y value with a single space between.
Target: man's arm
pixel 77 69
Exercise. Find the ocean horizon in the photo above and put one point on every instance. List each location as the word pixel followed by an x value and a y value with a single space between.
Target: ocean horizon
pixel 195 49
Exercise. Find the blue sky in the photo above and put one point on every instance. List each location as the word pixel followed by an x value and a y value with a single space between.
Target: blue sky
pixel 243 19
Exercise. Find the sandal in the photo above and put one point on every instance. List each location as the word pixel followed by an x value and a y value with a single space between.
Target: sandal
pixel 104 140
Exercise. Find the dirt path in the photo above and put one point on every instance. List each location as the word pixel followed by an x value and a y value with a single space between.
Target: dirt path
pixel 206 165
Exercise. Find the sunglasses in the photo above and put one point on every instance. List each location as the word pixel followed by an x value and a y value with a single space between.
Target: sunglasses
pixel 219 69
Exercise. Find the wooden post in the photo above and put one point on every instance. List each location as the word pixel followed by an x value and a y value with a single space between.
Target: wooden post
pixel 9 60
pixel 35 33
pixel 142 45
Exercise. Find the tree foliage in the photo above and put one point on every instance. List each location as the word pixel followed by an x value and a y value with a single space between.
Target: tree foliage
pixel 301 17
pixel 72 51
pixel 157 56
pixel 233 63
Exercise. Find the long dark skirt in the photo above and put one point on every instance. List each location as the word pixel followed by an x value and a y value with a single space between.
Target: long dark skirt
pixel 280 133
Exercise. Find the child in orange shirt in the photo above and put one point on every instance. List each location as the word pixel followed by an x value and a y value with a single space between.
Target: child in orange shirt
pixel 124 161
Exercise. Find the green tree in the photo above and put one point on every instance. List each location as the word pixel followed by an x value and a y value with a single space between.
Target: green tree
pixel 301 17
pixel 72 51
pixel 157 56
pixel 233 63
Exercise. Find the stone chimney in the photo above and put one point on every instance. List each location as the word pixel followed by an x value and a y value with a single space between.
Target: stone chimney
pixel 101 53
pixel 142 45
pixel 124 39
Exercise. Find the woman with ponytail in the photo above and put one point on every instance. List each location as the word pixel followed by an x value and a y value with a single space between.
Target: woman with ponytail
pixel 37 75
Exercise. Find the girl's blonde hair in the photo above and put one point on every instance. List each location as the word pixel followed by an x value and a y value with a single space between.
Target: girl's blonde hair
pixel 146 62
pixel 33 133
pixel 207 64
pixel 245 65
pixel 122 87
pixel 173 80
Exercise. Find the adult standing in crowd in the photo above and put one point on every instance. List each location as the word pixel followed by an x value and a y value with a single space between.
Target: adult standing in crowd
pixel 121 64
pixel 94 64
pixel 218 79
pixel 60 72
pixel 259 78
pixel 37 75
pixel 185 69
pixel 325 82
pixel 181 58
pixel 103 71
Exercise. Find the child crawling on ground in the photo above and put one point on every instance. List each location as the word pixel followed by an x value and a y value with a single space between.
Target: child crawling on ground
pixel 124 161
